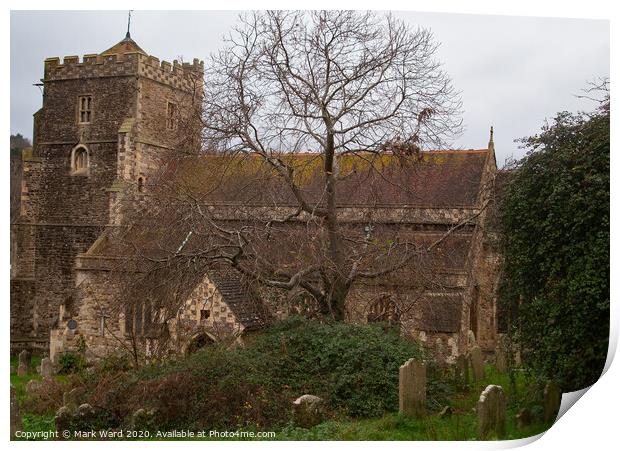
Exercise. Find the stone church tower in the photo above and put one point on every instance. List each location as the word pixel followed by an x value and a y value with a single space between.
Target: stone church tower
pixel 103 123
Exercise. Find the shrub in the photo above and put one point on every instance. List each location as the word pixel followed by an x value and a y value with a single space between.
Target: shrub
pixel 557 285
pixel 353 367
pixel 70 363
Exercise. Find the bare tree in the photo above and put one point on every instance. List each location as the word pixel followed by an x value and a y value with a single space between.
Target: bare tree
pixel 302 113
pixel 334 83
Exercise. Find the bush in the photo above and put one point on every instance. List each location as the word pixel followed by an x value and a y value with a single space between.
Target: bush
pixel 353 367
pixel 70 363
pixel 556 228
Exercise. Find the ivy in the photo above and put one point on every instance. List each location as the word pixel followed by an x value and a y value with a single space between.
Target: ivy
pixel 556 244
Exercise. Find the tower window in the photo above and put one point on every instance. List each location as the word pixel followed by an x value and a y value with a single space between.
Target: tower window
pixel 171 116
pixel 85 109
pixel 79 160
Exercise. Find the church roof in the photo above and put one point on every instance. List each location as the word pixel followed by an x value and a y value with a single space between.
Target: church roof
pixel 127 45
pixel 436 179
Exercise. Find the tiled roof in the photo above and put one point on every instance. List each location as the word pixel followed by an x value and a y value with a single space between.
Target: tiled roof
pixel 436 179
pixel 127 45
pixel 240 298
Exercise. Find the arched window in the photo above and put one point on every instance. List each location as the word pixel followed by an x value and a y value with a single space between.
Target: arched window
pixel 140 184
pixel 383 310
pixel 79 160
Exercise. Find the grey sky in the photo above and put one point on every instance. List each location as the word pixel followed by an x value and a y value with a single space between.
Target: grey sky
pixel 513 71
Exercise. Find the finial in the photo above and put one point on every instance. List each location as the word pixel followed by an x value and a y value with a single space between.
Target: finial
pixel 128 36
pixel 491 143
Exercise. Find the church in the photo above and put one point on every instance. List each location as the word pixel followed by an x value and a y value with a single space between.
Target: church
pixel 105 121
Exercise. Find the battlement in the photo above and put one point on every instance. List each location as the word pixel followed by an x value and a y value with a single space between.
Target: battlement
pixel 179 75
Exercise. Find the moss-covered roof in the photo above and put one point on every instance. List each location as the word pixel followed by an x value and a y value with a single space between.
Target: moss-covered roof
pixel 434 179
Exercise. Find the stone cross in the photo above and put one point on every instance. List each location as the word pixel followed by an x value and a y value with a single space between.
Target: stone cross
pixel 492 412
pixel 552 400
pixel 412 388
pixel 24 363
pixel 477 363
pixel 46 368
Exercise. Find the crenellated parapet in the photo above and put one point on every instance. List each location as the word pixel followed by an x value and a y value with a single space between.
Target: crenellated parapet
pixel 91 66
pixel 185 76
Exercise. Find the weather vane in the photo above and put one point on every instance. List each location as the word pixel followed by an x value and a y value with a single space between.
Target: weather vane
pixel 128 23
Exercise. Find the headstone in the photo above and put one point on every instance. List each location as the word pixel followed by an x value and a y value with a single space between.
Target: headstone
pixel 24 363
pixel 523 417
pixel 502 351
pixel 142 420
pixel 471 339
pixel 492 412
pixel 552 400
pixel 445 412
pixel 32 386
pixel 412 388
pixel 501 363
pixel 63 420
pixel 72 398
pixel 440 352
pixel 477 363
pixel 308 411
pixel 462 370
pixel 86 414
pixel 47 369
pixel 16 419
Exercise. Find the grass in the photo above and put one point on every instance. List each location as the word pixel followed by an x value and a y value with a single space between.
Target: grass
pixel 461 425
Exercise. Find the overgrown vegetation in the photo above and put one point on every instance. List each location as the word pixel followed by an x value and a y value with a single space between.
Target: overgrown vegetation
pixel 556 221
pixel 353 367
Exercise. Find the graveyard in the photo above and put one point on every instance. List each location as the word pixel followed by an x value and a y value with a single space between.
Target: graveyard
pixel 368 383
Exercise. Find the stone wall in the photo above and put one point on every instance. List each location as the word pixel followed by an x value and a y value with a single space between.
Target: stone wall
pixel 63 211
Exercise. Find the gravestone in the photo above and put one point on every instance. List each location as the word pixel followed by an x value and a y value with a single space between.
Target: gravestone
pixel 72 398
pixel 492 412
pixel 24 363
pixel 142 420
pixel 477 363
pixel 523 417
pixel 308 411
pixel 16 419
pixel 462 370
pixel 63 420
pixel 445 412
pixel 471 339
pixel 501 363
pixel 412 388
pixel 33 386
pixel 46 367
pixel 552 400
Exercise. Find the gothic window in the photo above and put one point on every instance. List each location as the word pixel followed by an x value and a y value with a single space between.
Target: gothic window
pixel 171 116
pixel 79 160
pixel 85 109
pixel 383 310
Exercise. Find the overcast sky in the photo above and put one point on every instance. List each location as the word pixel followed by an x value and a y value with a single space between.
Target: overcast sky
pixel 513 72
